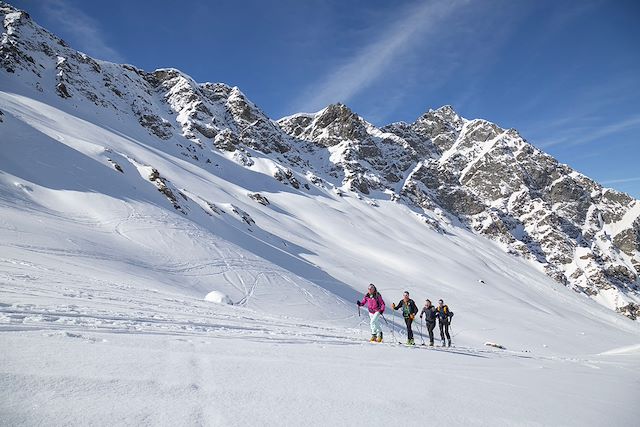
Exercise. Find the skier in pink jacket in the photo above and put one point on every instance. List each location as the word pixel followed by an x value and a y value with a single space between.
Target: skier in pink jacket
pixel 375 304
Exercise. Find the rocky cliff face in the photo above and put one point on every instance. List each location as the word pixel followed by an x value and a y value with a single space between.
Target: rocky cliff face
pixel 471 173
pixel 583 235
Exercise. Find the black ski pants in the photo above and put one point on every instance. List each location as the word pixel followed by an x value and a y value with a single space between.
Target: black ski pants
pixel 430 327
pixel 444 330
pixel 408 321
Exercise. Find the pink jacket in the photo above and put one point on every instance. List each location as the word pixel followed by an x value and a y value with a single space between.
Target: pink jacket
pixel 375 303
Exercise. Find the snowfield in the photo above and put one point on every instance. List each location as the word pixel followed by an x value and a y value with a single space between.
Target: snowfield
pixel 103 316
pixel 142 284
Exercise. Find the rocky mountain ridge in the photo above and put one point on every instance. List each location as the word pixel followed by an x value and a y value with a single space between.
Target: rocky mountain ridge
pixel 451 171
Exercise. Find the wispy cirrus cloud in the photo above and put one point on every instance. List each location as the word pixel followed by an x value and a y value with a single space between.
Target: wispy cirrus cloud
pixel 620 180
pixel 370 62
pixel 83 30
pixel 581 135
pixel 581 118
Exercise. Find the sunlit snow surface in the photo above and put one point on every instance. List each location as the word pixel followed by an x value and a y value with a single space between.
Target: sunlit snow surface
pixel 103 319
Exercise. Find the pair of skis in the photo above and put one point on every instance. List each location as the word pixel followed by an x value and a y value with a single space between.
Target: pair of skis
pixel 409 345
pixel 393 337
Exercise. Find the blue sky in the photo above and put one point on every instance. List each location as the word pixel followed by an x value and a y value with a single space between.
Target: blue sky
pixel 566 74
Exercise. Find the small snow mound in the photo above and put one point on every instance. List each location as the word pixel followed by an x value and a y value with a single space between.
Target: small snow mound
pixel 218 297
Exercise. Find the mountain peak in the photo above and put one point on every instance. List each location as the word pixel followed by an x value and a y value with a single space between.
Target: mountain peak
pixel 338 106
pixel 445 109
pixel 328 127
pixel 445 113
pixel 8 8
pixel 335 112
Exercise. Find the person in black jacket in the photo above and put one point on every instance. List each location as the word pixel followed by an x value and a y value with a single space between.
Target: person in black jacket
pixel 430 315
pixel 409 310
pixel 444 319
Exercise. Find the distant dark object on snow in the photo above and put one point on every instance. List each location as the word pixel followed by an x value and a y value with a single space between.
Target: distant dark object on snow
pixel 492 344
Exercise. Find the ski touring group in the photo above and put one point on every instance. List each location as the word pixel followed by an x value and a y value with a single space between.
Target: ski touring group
pixel 374 303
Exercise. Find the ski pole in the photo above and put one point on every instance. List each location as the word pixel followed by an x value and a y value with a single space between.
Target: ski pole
pixel 393 321
pixel 393 327
pixel 393 336
pixel 359 315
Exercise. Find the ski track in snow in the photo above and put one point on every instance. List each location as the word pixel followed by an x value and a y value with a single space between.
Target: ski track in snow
pixel 191 356
pixel 124 318
pixel 122 309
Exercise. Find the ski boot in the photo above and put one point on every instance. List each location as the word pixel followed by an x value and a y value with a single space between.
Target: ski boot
pixel 380 337
pixel 373 338
pixel 444 343
pixel 449 343
pixel 410 342
pixel 430 343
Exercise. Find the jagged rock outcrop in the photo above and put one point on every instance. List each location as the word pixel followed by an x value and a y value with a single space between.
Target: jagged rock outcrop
pixel 259 198
pixel 163 186
pixel 583 235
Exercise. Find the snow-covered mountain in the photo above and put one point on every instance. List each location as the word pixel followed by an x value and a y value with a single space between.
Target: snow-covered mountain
pixel 451 170
pixel 127 196
pixel 582 235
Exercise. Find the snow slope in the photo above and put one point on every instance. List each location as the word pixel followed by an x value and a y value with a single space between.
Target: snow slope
pixel 102 276
pixel 110 239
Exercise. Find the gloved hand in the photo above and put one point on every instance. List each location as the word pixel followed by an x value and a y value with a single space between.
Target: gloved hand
pixel 393 305
pixel 421 317
pixel 412 316
pixel 359 303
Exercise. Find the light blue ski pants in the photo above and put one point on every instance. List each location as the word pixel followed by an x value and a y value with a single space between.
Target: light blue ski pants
pixel 376 328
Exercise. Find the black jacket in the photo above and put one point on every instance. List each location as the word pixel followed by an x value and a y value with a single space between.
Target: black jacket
pixel 412 308
pixel 430 314
pixel 444 314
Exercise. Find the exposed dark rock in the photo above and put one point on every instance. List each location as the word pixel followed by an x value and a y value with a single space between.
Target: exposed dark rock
pixel 156 125
pixel 115 165
pixel 206 130
pixel 629 240
pixel 62 90
pixel 215 209
pixel 163 187
pixel 242 157
pixel 226 140
pixel 259 198
pixel 243 215
pixel 631 310
pixel 286 177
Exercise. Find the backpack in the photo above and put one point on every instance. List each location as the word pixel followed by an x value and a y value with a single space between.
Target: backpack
pixel 446 312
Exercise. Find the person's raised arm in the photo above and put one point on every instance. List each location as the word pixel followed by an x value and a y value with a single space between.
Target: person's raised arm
pixel 363 302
